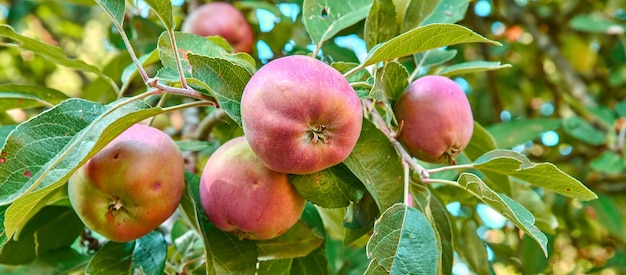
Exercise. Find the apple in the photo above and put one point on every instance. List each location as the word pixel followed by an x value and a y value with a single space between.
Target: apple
pixel 218 18
pixel 300 115
pixel 241 195
pixel 437 119
pixel 131 186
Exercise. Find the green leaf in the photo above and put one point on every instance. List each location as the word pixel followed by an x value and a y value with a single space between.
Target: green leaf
pixel 403 243
pixel 146 255
pixel 545 175
pixel 609 214
pixel 226 80
pixel 595 23
pixel 422 39
pixel 53 228
pixel 584 131
pixel 416 12
pixel 472 67
pixel 444 228
pixel 43 152
pixel 330 188
pixel 115 9
pixel 434 57
pixel 516 132
pixel 27 96
pixel 448 11
pixel 188 44
pixel 473 248
pixel 380 24
pixel 61 261
pixel 325 18
pixel 3 235
pixel 5 130
pixel 296 242
pixel 359 218
pixel 225 253
pixel 375 162
pixel 608 162
pixel 391 81
pixel 512 210
pixel 163 10
pixel 314 263
pixel 52 53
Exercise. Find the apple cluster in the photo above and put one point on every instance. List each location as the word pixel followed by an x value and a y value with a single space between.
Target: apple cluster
pixel 299 116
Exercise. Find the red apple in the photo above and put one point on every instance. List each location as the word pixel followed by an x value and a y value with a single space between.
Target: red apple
pixel 218 18
pixel 300 115
pixel 131 186
pixel 240 195
pixel 437 119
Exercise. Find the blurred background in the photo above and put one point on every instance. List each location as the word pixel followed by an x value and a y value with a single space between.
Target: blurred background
pixel 563 100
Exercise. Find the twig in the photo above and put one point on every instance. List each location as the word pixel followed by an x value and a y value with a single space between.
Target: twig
pixel 404 155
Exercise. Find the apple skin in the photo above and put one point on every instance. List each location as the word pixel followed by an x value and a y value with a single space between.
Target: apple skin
pixel 131 186
pixel 218 18
pixel 241 195
pixel 437 119
pixel 300 115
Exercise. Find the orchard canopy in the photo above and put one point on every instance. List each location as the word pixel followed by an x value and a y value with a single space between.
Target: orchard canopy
pixel 529 179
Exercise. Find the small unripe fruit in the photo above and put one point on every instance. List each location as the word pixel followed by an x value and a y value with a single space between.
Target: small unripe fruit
pixel 241 195
pixel 131 186
pixel 300 115
pixel 218 18
pixel 437 119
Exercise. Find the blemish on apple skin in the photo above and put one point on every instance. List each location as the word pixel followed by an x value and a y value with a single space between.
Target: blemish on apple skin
pixel 156 185
pixel 3 161
pixel 4 154
pixel 28 174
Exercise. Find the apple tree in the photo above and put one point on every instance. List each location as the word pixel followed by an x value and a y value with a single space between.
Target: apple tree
pixel 364 87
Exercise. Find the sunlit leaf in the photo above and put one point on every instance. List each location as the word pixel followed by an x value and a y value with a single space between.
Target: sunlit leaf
pixel 512 210
pixel 391 81
pixel 422 39
pixel 545 175
pixel 472 67
pixel 325 18
pixel 596 23
pixel 403 243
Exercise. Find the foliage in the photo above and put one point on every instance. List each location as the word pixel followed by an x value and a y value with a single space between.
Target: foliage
pixel 78 73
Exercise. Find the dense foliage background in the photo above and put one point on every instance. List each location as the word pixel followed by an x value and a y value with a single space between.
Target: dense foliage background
pixel 560 101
